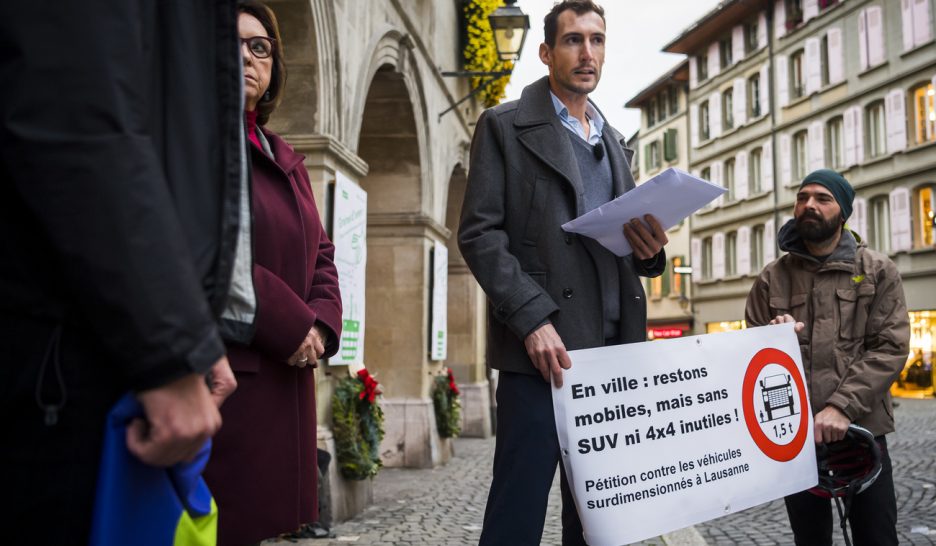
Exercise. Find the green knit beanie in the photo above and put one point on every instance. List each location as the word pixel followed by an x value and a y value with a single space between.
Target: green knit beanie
pixel 841 190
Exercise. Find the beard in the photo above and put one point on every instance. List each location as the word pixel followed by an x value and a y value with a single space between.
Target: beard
pixel 816 229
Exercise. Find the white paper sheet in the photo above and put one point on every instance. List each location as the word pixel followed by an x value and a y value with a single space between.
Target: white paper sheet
pixel 670 196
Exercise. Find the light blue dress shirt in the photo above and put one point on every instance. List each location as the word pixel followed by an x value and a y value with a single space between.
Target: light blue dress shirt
pixel 573 124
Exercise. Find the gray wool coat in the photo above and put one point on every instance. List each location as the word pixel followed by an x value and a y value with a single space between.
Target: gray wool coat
pixel 523 184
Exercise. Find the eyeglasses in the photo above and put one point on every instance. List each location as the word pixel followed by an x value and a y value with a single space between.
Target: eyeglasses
pixel 260 47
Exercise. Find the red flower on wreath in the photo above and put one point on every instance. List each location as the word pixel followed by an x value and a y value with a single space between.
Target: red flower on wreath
pixel 451 380
pixel 370 391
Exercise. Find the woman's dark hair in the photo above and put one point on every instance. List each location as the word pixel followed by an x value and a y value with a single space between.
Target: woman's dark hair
pixel 274 94
pixel 551 21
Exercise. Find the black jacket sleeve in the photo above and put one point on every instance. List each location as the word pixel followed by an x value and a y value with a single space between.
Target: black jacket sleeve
pixel 76 150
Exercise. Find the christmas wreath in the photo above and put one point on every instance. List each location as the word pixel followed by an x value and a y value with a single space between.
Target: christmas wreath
pixel 358 426
pixel 446 399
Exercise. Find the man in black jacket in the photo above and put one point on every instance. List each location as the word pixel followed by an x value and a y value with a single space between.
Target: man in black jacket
pixel 123 186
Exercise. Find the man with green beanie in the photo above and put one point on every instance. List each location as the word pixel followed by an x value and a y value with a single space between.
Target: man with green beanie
pixel 854 334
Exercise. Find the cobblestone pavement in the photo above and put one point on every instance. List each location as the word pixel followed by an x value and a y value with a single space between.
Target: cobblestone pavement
pixel 444 506
pixel 913 453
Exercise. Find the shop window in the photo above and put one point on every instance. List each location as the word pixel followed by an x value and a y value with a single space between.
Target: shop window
pixel 800 157
pixel 731 254
pixel 704 129
pixel 730 180
pixel 707 258
pixel 724 326
pixel 728 108
pixel 755 181
pixel 796 77
pixel 924 113
pixel 753 96
pixel 879 230
pixel 835 145
pixel 916 379
pixel 925 216
pixel 877 131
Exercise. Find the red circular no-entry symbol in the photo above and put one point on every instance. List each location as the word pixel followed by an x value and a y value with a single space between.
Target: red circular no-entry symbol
pixel 777 452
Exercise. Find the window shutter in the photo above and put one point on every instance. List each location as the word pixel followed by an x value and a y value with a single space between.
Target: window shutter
pixel 767 166
pixel 813 66
pixel 695 254
pixel 770 245
pixel 859 219
pixel 863 39
pixel 739 102
pixel 713 60
pixel 901 235
pixel 696 124
pixel 761 30
pixel 921 22
pixel 693 72
pixel 896 115
pixel 779 18
pixel 669 145
pixel 783 92
pixel 906 18
pixel 810 9
pixel 836 59
pixel 737 44
pixel 718 255
pixel 764 90
pixel 786 166
pixel 816 149
pixel 741 175
pixel 647 158
pixel 714 108
pixel 743 252
pixel 858 116
pixel 848 137
pixel 875 36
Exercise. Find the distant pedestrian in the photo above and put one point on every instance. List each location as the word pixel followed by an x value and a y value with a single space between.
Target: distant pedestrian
pixel 263 467
pixel 854 334
pixel 537 163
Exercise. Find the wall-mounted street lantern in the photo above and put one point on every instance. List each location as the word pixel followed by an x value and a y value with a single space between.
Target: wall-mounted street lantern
pixel 509 25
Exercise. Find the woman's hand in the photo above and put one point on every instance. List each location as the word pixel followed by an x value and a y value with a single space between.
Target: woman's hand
pixel 311 349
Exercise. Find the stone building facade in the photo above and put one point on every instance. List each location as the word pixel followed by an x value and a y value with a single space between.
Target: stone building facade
pixel 364 95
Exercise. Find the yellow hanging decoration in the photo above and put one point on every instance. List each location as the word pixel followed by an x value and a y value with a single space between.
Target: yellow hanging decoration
pixel 481 53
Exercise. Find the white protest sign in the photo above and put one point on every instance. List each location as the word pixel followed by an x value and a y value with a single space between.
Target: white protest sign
pixel 349 234
pixel 657 436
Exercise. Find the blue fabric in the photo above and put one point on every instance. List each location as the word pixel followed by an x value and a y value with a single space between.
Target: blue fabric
pixel 140 504
pixel 573 124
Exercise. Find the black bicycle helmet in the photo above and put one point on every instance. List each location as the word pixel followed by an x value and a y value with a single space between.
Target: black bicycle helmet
pixel 848 467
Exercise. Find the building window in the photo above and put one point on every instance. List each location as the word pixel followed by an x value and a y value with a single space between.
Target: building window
pixel 750 37
pixel 834 143
pixel 877 131
pixel 800 158
pixel 823 4
pixel 755 182
pixel 672 96
pixel 757 249
pixel 794 13
pixel 879 230
pixel 707 258
pixel 731 254
pixel 925 216
pixel 704 121
pixel 730 180
pixel 706 174
pixel 702 67
pixel 724 52
pixel 797 83
pixel 753 92
pixel 669 145
pixel 824 59
pixel 661 107
pixel 652 156
pixel 651 113
pixel 678 284
pixel 656 287
pixel 724 326
pixel 728 108
pixel 924 113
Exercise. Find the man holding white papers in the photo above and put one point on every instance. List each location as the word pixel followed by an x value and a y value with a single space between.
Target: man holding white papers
pixel 536 164
pixel 855 340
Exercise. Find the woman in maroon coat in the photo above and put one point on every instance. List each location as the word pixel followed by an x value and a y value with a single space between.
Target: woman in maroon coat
pixel 263 466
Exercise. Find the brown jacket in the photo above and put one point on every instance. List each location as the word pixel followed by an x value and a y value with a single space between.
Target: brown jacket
pixel 857 333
